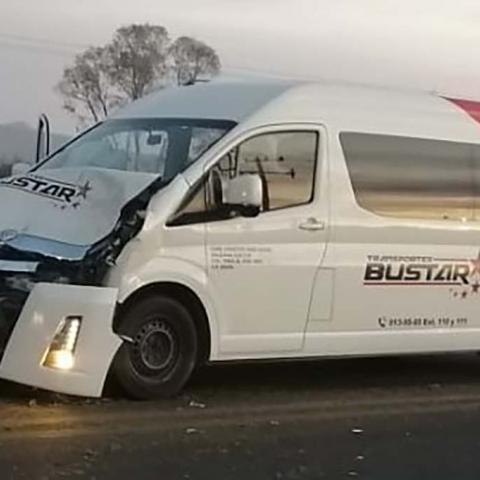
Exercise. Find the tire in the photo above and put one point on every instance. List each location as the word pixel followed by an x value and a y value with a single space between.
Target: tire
pixel 162 353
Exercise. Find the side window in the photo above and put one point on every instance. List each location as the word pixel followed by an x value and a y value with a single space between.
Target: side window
pixel 194 207
pixel 286 164
pixel 285 161
pixel 411 178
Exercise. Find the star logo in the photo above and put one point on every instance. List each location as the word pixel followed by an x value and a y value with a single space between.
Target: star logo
pixel 84 189
pixel 476 266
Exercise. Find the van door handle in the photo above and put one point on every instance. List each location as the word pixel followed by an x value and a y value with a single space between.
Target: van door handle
pixel 312 225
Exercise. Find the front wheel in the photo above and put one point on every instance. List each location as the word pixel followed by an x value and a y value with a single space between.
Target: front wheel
pixel 160 353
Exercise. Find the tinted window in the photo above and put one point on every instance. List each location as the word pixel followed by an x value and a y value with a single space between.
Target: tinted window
pixel 411 178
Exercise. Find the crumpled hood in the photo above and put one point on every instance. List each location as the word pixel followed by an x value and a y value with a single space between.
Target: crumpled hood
pixel 75 206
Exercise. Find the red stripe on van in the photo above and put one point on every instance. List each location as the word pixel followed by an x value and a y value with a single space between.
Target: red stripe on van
pixel 469 106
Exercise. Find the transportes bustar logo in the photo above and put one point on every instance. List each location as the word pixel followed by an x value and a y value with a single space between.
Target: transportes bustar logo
pixel 462 275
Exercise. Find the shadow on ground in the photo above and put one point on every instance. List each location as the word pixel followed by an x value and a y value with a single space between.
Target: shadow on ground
pixel 299 378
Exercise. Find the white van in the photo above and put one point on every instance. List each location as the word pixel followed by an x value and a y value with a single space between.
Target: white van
pixel 242 221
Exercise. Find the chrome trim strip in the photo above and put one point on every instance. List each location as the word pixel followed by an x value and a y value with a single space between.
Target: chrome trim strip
pixel 18 267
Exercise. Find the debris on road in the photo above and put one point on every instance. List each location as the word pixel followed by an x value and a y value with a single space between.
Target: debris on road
pixel 115 447
pixel 191 431
pixel 357 431
pixel 195 404
pixel 274 423
pixel 89 454
pixel 32 403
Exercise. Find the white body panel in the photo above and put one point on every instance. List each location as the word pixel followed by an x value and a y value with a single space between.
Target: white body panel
pixel 288 283
pixel 264 268
pixel 86 211
pixel 46 306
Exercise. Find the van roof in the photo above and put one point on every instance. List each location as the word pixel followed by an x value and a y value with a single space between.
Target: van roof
pixel 215 100
pixel 347 106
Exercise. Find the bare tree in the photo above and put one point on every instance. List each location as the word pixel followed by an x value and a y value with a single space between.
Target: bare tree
pixel 193 59
pixel 85 87
pixel 137 59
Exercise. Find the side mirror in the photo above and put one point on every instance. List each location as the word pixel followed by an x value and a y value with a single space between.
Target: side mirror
pixel 20 168
pixel 244 193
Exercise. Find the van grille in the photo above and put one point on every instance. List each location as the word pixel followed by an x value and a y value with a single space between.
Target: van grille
pixel 11 304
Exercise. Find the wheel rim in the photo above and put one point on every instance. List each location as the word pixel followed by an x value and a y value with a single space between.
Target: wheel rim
pixel 155 348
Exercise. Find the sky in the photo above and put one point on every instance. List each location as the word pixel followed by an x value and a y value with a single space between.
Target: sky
pixel 429 45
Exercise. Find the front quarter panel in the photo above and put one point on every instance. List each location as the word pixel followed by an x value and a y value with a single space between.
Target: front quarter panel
pixel 177 270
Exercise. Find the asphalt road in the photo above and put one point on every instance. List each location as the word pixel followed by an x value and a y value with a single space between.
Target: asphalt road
pixel 386 419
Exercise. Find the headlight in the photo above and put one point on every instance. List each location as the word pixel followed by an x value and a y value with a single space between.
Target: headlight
pixel 61 352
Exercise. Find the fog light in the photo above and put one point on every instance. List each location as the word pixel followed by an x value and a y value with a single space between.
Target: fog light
pixel 60 354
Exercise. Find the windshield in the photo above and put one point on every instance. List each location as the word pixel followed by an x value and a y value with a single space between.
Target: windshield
pixel 161 146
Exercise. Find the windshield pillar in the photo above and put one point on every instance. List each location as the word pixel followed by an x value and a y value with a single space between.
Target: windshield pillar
pixel 178 150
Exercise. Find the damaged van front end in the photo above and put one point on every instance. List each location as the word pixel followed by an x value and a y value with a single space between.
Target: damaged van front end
pixel 62 226
pixel 60 338
pixel 56 314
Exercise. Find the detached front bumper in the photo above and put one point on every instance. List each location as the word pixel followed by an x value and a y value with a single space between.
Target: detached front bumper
pixel 45 309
